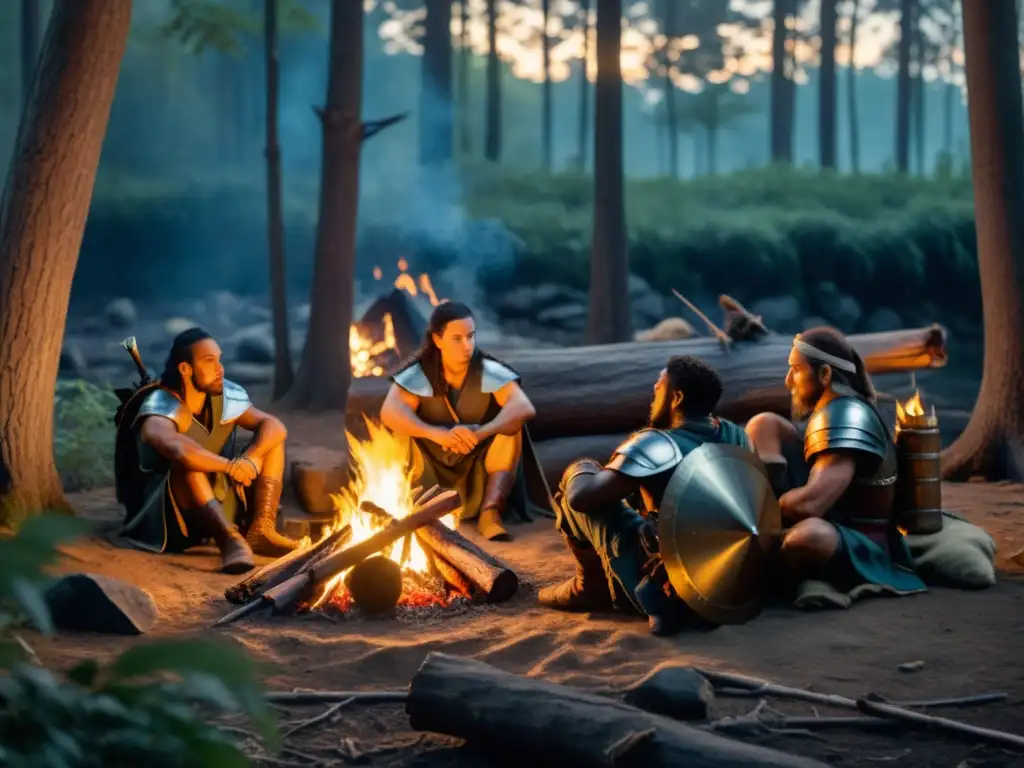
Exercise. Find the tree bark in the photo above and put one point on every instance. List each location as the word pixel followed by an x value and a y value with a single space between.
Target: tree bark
pixel 789 110
pixel 607 389
pixel 487 573
pixel 465 56
pixel 609 319
pixel 526 720
pixel 903 84
pixel 583 124
pixel 827 86
pixel 325 370
pixel 546 104
pixel 31 21
pixel 851 92
pixel 780 139
pixel 993 442
pixel 42 217
pixel 492 121
pixel 671 115
pixel 919 97
pixel 436 118
pixel 284 371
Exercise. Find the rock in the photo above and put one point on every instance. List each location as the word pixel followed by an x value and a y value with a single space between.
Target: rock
pixel 225 307
pixel 567 316
pixel 673 690
pixel 72 360
pixel 778 313
pixel 881 320
pixel 254 345
pixel 94 603
pixel 669 329
pixel 911 666
pixel 250 374
pixel 844 313
pixel 301 313
pixel 120 313
pixel 528 301
pixel 812 322
pixel 175 325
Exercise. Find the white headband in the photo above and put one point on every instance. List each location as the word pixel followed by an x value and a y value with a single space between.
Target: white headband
pixel 836 362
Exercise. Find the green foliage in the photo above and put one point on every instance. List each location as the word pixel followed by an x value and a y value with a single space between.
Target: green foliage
pixel 151 706
pixel 202 24
pixel 83 434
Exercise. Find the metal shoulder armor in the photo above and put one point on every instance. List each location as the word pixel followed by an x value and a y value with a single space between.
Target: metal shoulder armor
pixel 236 402
pixel 160 402
pixel 647 452
pixel 495 376
pixel 413 380
pixel 846 423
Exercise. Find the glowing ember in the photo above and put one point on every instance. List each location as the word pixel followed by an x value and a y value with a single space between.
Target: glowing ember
pixel 380 474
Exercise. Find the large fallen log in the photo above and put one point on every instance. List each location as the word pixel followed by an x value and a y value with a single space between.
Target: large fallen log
pixel 526 720
pixel 607 389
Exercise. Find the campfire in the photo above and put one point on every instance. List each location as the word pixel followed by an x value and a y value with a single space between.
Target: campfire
pixel 373 342
pixel 390 544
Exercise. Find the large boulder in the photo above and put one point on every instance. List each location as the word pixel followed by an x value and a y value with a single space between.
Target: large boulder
pixel 93 603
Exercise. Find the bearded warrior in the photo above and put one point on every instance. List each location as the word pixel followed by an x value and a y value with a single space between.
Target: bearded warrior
pixel 178 472
pixel 465 414
pixel 835 477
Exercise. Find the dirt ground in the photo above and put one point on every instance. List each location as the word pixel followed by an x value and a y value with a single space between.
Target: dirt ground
pixel 970 642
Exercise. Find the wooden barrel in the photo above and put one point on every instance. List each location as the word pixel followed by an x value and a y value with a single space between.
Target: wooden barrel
pixel 919 486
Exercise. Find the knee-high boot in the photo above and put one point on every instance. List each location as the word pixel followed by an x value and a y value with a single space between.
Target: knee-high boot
pixel 262 534
pixel 587 590
pixel 492 508
pixel 235 554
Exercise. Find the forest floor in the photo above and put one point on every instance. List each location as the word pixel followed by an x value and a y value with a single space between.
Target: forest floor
pixel 970 642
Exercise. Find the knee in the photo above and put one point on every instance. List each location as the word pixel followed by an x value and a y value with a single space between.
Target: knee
pixel 768 431
pixel 810 540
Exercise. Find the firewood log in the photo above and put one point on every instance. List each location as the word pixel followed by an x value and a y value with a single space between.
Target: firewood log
pixel 449 573
pixel 527 720
pixel 607 389
pixel 288 594
pixel 284 567
pixel 487 573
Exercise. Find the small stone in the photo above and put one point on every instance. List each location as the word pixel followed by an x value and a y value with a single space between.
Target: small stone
pixel 120 313
pixel 93 603
pixel 673 690
pixel 911 666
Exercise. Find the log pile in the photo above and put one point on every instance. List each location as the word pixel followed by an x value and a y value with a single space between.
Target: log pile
pixel 300 577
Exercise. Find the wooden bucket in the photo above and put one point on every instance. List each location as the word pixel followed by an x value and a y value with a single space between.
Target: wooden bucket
pixel 918 503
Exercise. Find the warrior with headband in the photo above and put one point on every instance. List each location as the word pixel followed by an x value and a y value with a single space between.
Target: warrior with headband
pixel 836 476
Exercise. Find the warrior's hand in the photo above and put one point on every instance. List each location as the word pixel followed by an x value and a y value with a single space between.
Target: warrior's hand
pixel 466 436
pixel 453 441
pixel 242 471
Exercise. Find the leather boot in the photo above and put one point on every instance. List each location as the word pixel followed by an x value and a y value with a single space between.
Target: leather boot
pixel 235 554
pixel 262 534
pixel 586 591
pixel 499 486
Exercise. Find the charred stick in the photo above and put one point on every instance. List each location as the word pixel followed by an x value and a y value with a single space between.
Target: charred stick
pixel 317 697
pixel 425 496
pixel 941 723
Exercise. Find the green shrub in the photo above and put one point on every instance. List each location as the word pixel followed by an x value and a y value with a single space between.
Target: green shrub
pixel 151 706
pixel 83 435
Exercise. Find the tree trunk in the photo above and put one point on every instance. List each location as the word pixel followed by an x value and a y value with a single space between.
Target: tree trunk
pixel 993 442
pixel 851 92
pixel 547 113
pixel 583 125
pixel 465 56
pixel 671 116
pixel 919 97
pixel 781 152
pixel 492 127
pixel 609 317
pixel 325 371
pixel 42 218
pixel 903 93
pixel 789 110
pixel 436 119
pixel 949 92
pixel 827 86
pixel 284 372
pixel 712 150
pixel 31 19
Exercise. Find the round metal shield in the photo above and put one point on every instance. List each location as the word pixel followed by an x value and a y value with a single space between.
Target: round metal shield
pixel 716 525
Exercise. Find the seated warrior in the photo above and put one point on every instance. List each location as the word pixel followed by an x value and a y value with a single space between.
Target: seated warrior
pixel 836 478
pixel 603 522
pixel 187 471
pixel 465 413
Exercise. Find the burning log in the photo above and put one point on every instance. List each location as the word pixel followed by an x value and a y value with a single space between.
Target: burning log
pixel 527 720
pixel 285 567
pixel 607 389
pixel 449 574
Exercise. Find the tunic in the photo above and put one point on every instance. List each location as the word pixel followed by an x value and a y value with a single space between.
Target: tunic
pixel 154 519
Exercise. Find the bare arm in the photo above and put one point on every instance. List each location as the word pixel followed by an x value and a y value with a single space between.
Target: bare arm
pixel 830 476
pixel 588 491
pixel 398 413
pixel 270 431
pixel 516 410
pixel 163 435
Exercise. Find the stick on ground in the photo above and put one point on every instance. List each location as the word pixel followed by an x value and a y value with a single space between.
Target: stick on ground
pixel 327 715
pixel 941 723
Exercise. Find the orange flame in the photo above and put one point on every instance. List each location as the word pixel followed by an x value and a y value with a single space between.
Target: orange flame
pixel 911 408
pixel 380 472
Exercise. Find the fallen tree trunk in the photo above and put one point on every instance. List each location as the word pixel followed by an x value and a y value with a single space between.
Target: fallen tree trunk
pixel 607 389
pixel 526 720
pixel 557 454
